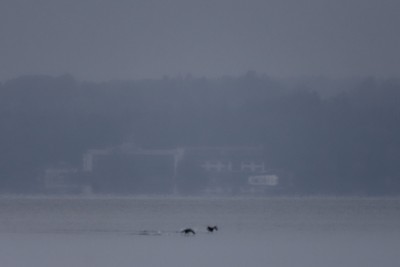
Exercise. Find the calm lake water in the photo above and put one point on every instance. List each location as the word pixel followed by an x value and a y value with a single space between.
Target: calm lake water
pixel 144 231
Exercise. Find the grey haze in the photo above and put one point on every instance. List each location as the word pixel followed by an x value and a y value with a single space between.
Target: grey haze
pixel 103 40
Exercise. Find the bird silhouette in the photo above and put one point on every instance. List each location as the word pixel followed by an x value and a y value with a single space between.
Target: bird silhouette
pixel 212 228
pixel 188 231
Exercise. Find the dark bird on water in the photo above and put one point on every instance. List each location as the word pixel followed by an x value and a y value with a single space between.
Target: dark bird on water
pixel 188 231
pixel 212 228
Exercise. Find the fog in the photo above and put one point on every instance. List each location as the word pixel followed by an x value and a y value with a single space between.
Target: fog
pixel 105 40
pixel 211 97
pixel 189 135
pixel 123 122
pixel 288 77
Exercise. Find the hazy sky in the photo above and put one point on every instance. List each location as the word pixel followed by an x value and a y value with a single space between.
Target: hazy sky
pixel 130 39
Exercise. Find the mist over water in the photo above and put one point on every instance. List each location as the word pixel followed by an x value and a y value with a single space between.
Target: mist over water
pixel 257 231
pixel 217 110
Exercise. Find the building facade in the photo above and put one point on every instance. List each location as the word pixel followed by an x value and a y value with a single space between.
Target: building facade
pixel 192 170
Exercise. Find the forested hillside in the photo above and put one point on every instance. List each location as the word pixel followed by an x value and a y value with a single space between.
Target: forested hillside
pixel 344 142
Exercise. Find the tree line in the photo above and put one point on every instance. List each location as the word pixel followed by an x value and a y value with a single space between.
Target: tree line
pixel 345 142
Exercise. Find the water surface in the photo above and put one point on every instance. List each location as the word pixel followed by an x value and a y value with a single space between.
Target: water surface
pixel 107 231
